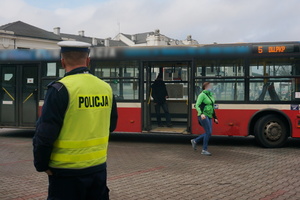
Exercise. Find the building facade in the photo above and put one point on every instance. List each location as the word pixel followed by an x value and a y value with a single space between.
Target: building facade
pixel 20 35
pixel 154 38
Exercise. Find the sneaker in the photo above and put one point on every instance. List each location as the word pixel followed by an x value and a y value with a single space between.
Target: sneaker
pixel 194 144
pixel 206 153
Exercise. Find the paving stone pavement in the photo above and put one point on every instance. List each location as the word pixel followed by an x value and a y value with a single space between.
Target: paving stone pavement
pixel 159 167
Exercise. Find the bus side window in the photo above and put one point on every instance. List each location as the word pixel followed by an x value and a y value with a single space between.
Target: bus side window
pixel 51 69
pixel 296 94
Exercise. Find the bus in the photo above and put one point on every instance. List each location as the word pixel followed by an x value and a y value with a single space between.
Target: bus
pixel 256 86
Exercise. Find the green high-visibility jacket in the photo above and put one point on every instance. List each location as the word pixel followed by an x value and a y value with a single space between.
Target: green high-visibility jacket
pixel 208 109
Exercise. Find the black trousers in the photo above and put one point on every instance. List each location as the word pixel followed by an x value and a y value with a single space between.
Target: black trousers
pixel 165 109
pixel 86 187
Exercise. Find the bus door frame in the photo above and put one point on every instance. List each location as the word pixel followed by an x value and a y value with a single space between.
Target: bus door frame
pixel 146 101
pixel 146 110
pixel 191 92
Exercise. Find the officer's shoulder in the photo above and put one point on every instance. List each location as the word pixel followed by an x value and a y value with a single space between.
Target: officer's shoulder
pixel 101 81
pixel 55 84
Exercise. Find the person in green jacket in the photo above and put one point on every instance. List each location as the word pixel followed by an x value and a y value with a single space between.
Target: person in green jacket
pixel 206 112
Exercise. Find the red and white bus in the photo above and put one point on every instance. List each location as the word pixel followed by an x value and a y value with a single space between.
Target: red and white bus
pixel 256 86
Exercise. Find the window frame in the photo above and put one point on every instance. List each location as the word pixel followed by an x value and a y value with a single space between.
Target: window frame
pixel 95 65
pixel 46 78
pixel 247 79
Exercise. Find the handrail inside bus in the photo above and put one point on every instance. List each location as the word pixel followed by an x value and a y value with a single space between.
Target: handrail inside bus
pixel 8 94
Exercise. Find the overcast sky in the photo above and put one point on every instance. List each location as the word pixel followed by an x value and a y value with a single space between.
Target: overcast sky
pixel 222 21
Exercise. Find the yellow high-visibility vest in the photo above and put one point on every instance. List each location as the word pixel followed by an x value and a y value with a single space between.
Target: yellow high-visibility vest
pixel 83 139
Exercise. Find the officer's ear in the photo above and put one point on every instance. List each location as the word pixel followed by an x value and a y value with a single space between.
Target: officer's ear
pixel 63 63
pixel 88 60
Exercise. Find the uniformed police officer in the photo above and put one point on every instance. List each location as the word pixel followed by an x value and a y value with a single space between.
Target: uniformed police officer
pixel 71 139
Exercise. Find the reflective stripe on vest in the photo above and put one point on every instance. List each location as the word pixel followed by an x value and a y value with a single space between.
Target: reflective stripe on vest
pixel 82 157
pixel 79 144
pixel 83 138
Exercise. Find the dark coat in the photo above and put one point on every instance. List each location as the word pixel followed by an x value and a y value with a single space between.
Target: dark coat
pixel 159 92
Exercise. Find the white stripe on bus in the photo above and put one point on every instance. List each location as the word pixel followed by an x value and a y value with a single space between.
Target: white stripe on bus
pixel 252 106
pixel 129 105
pixel 221 106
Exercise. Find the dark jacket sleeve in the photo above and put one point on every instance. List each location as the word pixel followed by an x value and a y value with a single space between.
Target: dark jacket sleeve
pixel 113 116
pixel 49 125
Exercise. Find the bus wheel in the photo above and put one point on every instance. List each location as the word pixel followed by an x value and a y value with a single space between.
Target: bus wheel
pixel 270 131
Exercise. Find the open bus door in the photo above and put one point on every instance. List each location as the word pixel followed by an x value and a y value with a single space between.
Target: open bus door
pixel 176 76
pixel 18 96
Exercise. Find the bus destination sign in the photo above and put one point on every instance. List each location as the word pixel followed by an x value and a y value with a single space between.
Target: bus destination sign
pixel 273 49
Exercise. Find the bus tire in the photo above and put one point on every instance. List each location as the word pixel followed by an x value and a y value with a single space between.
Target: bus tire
pixel 270 131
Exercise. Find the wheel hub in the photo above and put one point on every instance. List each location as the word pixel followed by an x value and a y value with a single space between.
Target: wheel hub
pixel 273 131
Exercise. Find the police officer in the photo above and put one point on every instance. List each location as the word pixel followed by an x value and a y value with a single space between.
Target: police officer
pixel 71 139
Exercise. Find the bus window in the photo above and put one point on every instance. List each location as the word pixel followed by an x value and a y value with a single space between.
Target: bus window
pixel 220 68
pixel 50 72
pixel 296 96
pixel 272 90
pixel 272 79
pixel 226 77
pixel 224 90
pixel 51 69
pixel 61 72
pixel 123 77
pixel 261 70
pixel 124 89
pixel 8 77
pixel 175 77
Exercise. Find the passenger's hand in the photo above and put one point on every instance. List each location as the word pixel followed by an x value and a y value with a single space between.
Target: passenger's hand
pixel 49 172
pixel 203 116
pixel 216 121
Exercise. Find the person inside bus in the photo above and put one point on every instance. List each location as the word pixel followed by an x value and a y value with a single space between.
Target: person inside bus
pixel 206 112
pixel 160 94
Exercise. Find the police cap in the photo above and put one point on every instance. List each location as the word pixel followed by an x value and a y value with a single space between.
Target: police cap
pixel 71 46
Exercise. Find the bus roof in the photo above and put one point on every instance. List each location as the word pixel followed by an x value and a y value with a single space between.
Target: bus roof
pixel 111 53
